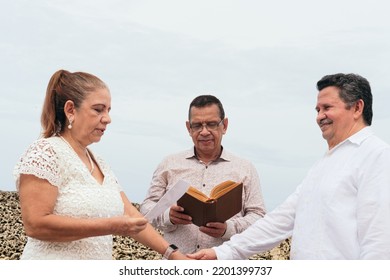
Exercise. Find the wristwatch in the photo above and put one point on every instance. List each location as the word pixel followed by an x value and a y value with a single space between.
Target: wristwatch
pixel 170 250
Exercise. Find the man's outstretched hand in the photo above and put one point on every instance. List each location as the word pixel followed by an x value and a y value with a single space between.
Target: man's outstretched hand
pixel 204 254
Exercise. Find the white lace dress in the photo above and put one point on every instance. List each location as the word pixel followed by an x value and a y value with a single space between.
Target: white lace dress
pixel 79 196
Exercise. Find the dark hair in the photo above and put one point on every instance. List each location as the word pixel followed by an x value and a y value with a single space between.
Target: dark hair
pixel 352 88
pixel 206 100
pixel 64 86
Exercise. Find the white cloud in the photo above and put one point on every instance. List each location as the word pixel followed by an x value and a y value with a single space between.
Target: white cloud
pixel 261 58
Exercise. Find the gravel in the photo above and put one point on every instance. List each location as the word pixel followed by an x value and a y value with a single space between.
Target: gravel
pixel 13 238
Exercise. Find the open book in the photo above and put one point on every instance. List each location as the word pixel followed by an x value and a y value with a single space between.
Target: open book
pixel 224 202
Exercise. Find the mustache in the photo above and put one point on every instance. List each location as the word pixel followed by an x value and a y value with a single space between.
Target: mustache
pixel 325 121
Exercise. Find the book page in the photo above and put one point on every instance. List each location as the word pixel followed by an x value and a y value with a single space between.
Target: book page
pixel 197 194
pixel 222 188
pixel 168 199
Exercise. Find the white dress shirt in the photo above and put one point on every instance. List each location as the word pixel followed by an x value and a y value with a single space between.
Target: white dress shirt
pixel 341 210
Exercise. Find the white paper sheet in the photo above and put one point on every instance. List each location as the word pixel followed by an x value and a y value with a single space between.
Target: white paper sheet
pixel 168 199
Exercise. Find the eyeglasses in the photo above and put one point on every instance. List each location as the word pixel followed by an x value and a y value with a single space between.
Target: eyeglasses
pixel 210 126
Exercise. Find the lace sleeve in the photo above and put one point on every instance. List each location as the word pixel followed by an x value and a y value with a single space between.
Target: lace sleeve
pixel 41 161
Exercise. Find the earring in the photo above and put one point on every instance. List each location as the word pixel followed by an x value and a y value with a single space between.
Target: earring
pixel 70 124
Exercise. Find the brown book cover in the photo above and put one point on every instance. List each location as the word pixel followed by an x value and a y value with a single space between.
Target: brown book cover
pixel 224 202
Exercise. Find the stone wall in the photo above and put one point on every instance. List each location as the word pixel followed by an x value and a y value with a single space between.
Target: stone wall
pixel 13 239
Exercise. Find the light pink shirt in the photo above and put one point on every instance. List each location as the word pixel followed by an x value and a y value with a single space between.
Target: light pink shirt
pixel 187 167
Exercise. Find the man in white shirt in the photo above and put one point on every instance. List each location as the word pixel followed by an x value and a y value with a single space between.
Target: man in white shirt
pixel 341 210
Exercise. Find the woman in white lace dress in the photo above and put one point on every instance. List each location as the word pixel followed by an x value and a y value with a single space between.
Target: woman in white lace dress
pixel 70 200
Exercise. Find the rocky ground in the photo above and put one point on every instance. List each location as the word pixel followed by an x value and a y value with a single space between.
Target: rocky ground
pixel 13 239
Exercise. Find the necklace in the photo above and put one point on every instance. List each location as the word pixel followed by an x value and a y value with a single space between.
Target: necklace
pixel 86 152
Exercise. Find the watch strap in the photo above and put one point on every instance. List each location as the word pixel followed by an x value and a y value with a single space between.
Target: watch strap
pixel 169 251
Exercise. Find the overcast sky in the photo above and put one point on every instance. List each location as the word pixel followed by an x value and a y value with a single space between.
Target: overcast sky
pixel 261 58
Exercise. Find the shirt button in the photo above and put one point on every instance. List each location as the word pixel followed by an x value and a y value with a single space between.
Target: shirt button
pixel 197 246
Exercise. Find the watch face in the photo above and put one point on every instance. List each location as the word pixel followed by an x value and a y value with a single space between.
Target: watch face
pixel 173 246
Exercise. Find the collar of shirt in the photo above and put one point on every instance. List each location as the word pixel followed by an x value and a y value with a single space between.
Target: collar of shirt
pixel 224 156
pixel 356 138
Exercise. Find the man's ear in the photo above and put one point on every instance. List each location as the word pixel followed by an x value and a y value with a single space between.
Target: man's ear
pixel 359 106
pixel 188 127
pixel 225 125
